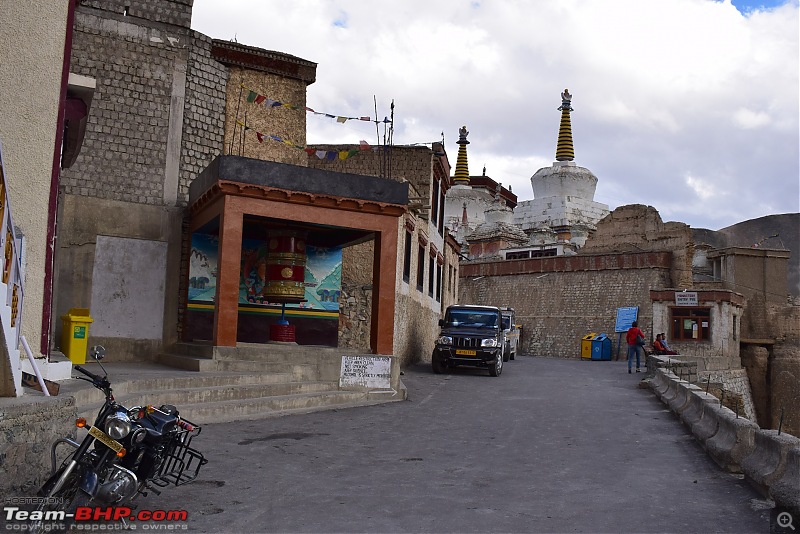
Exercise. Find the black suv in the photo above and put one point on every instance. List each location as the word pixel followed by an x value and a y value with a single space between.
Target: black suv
pixel 472 336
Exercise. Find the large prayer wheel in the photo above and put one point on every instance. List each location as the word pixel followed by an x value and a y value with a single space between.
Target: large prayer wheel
pixel 286 267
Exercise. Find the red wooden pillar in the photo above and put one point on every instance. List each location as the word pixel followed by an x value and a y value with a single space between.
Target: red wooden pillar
pixel 384 275
pixel 226 300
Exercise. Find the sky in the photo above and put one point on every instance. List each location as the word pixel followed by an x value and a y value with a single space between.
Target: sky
pixel 689 106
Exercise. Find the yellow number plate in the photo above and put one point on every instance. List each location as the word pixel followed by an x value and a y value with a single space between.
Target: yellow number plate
pixel 105 439
pixel 462 352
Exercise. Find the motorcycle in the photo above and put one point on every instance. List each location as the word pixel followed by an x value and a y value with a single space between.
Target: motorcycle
pixel 126 452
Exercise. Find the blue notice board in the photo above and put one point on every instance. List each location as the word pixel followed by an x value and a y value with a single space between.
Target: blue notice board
pixel 626 316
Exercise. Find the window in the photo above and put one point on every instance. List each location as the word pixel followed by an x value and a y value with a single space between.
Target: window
pixel 420 268
pixel 431 274
pixel 521 255
pixel 691 324
pixel 438 283
pixel 435 201
pixel 407 259
pixel 441 213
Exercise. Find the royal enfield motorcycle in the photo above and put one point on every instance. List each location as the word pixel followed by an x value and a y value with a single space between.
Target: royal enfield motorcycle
pixel 127 452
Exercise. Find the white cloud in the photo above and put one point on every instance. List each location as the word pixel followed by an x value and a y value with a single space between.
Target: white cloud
pixel 747 118
pixel 659 87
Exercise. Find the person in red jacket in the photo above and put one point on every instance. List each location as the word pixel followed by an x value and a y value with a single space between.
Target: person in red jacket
pixel 635 339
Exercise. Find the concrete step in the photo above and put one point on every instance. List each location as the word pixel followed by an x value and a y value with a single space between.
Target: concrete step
pixel 213 394
pixel 298 370
pixel 227 411
pixel 85 394
pixel 272 352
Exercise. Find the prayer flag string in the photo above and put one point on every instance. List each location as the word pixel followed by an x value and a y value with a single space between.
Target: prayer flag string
pixel 255 98
pixel 329 155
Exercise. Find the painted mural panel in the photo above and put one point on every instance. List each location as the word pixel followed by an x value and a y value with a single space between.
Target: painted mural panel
pixel 323 273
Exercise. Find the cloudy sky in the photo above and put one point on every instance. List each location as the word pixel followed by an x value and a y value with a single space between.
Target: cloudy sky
pixel 690 106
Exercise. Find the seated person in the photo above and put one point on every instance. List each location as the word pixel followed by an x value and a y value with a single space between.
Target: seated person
pixel 664 342
pixel 660 346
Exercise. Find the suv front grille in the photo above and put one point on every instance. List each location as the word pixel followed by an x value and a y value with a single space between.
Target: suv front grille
pixel 469 342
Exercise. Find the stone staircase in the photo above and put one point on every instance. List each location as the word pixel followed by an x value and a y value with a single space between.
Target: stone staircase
pixel 222 384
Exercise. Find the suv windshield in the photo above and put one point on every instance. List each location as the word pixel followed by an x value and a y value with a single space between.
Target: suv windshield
pixel 475 318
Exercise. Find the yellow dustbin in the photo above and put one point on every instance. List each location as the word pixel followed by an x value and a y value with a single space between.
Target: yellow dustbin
pixel 586 345
pixel 75 334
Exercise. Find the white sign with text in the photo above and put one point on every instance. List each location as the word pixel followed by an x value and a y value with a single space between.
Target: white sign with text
pixel 686 298
pixel 372 372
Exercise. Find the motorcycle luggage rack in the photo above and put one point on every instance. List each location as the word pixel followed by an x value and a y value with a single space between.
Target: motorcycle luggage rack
pixel 182 463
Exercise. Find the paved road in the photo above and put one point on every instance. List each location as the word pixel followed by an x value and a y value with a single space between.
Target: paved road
pixel 549 446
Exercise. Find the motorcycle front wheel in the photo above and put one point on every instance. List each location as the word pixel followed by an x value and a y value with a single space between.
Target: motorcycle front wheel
pixel 57 512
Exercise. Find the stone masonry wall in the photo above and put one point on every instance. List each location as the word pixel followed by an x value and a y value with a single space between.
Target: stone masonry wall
pixel 173 12
pixel 412 164
pixel 204 113
pixel 28 428
pixel 285 123
pixel 556 307
pixel 355 303
pixel 639 228
pixel 124 153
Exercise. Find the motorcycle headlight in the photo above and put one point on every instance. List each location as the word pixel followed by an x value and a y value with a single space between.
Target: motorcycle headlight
pixel 118 425
pixel 445 340
pixel 491 342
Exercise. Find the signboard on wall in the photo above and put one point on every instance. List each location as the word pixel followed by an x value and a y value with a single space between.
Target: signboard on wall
pixel 625 317
pixel 372 372
pixel 686 298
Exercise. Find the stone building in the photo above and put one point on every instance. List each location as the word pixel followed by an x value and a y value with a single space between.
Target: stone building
pixel 428 276
pixel 479 210
pixel 42 121
pixel 168 102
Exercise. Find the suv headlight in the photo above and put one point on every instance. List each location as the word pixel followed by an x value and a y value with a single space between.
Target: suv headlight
pixel 491 342
pixel 444 340
pixel 118 425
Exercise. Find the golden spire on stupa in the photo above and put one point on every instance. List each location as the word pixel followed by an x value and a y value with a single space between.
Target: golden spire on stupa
pixel 565 150
pixel 462 169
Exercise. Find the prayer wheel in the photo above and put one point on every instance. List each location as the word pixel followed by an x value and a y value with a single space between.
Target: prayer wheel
pixel 286 267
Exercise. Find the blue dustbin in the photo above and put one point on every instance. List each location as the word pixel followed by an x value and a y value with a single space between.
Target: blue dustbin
pixel 601 347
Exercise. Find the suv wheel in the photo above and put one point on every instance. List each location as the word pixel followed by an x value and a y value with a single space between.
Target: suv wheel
pixel 497 368
pixel 437 363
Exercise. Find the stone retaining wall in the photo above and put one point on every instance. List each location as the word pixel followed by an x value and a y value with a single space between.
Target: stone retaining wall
pixel 28 428
pixel 769 461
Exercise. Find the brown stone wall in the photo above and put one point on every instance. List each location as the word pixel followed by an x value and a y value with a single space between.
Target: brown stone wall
pixel 639 228
pixel 559 300
pixel 283 122
pixel 755 360
pixel 412 164
pixel 784 379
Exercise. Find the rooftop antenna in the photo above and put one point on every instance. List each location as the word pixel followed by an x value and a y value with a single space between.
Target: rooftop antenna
pixel 391 139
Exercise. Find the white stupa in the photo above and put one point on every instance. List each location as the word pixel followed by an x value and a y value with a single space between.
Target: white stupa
pixel 563 193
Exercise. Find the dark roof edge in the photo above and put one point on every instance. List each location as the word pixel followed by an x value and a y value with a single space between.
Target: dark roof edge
pixel 250 57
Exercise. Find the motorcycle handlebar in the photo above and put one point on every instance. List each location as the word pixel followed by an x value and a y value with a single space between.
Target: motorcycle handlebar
pixel 95 378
